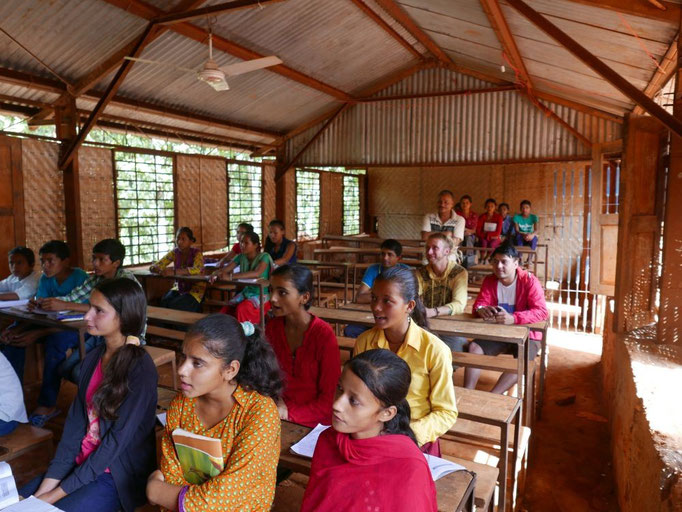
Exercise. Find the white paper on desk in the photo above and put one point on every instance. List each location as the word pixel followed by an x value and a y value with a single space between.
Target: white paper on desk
pixel 32 504
pixel 306 446
pixel 162 418
pixel 247 280
pixel 441 467
pixel 489 227
pixel 4 304
pixel 8 488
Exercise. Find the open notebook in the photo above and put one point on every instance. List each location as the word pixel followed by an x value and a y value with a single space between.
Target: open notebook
pixel 439 467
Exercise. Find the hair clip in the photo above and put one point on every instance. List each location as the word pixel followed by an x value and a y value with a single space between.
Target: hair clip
pixel 248 328
pixel 132 340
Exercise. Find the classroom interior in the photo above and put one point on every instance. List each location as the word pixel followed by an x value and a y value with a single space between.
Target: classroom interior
pixel 373 108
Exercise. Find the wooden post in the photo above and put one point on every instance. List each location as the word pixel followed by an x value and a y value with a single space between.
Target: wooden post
pixel 670 313
pixel 66 117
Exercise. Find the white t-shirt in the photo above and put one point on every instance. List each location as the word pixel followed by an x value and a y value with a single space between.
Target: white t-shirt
pixel 11 395
pixel 25 288
pixel 506 296
pixel 455 224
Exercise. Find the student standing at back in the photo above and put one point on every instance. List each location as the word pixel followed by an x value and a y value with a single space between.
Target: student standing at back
pixel 107 448
pixel 281 249
pixel 253 264
pixel 305 346
pixel 229 382
pixel 400 326
pixel 369 459
pixel 23 279
pixel 187 261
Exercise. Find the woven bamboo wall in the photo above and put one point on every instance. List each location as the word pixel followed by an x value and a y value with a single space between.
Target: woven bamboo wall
pixel 188 194
pixel 213 203
pixel 331 203
pixel 43 193
pixel 290 202
pixel 98 209
pixel 269 200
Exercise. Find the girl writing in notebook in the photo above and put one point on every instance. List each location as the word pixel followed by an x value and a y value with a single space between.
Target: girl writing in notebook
pixel 369 460
pixel 400 322
pixel 305 346
pixel 229 381
pixel 107 448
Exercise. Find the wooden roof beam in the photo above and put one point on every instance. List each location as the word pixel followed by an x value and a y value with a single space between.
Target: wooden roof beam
pixel 641 8
pixel 617 81
pixel 662 75
pixel 388 28
pixel 213 10
pixel 150 12
pixel 506 38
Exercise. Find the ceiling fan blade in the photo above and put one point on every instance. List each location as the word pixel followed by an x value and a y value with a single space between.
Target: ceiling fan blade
pixel 250 65
pixel 159 63
pixel 219 86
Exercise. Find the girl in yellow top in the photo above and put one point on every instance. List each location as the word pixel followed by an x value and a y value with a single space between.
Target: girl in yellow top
pixel 400 326
pixel 187 261
pixel 229 381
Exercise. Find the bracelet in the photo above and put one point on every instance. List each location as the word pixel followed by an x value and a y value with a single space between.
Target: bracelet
pixel 181 498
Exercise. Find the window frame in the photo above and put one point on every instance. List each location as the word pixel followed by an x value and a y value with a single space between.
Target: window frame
pixel 319 203
pixel 257 228
pixel 343 207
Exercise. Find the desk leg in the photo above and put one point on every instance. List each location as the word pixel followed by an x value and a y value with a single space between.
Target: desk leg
pixel 515 453
pixel 319 287
pixel 504 457
pixel 543 369
pixel 520 369
pixel 345 286
pixel 528 389
pixel 81 342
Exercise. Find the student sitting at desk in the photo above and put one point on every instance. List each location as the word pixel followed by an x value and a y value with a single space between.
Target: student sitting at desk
pixel 526 226
pixel 443 284
pixel 23 279
pixel 12 409
pixel 509 296
pixel 187 261
pixel 489 227
pixel 391 252
pixel 281 249
pixel 253 264
pixel 305 346
pixel 229 382
pixel 369 459
pixel 107 448
pixel 508 232
pixel 242 229
pixel 400 326
pixel 445 220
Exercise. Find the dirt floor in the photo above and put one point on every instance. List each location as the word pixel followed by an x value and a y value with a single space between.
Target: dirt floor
pixel 569 467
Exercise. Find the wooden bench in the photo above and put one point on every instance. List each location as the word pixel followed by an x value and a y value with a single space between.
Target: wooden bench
pixel 164 332
pixel 25 438
pixel 162 356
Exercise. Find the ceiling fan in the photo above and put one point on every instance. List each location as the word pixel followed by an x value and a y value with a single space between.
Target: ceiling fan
pixel 216 76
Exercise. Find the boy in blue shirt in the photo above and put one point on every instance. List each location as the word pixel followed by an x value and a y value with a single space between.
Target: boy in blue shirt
pixel 391 252
pixel 526 225
pixel 59 277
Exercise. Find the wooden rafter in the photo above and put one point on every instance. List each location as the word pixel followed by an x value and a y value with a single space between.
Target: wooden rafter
pixel 553 115
pixel 506 39
pixel 662 75
pixel 617 81
pixel 641 8
pixel 213 10
pixel 388 28
pixel 150 12
pixel 466 92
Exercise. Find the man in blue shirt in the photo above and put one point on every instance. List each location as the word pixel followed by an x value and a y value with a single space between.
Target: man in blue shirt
pixel 391 252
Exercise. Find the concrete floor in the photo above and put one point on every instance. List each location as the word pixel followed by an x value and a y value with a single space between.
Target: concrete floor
pixel 569 468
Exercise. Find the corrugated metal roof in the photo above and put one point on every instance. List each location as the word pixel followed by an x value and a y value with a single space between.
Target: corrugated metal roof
pixel 26 93
pixel 450 129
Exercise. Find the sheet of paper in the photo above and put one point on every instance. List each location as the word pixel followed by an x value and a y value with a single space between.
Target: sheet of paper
pixel 8 488
pixel 306 446
pixel 4 304
pixel 489 227
pixel 162 418
pixel 32 504
pixel 441 467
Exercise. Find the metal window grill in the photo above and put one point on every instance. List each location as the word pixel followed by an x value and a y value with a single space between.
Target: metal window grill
pixel 307 205
pixel 245 197
pixel 145 205
pixel 351 205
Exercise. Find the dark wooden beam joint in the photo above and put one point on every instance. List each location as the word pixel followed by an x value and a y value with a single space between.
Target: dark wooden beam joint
pixel 212 10
pixel 617 81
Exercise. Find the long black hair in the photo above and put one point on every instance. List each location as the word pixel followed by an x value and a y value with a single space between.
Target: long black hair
pixel 128 300
pixel 388 377
pixel 407 283
pixel 301 277
pixel 223 336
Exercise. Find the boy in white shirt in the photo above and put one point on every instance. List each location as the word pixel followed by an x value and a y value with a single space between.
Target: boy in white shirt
pixel 12 409
pixel 22 282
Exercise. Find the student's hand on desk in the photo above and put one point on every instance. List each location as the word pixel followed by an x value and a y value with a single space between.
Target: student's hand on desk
pixel 22 339
pixel 504 318
pixel 52 496
pixel 168 271
pixel 487 313
pixel 52 304
pixel 283 410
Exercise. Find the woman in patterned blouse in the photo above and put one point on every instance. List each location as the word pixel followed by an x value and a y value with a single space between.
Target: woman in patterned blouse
pixel 229 381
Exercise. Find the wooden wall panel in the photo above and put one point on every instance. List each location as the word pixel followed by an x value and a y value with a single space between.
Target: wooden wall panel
pixel 335 205
pixel 213 203
pixel 188 194
pixel 269 200
pixel 12 228
pixel 43 193
pixel 98 204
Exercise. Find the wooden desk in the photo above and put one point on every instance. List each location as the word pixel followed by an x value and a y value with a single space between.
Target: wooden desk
pixel 261 283
pixel 368 240
pixel 45 321
pixel 454 491
pixel 316 265
pixel 362 251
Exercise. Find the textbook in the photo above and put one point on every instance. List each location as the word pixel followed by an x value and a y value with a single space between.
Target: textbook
pixel 439 467
pixel 8 489
pixel 4 304
pixel 66 316
pixel 32 504
pixel 201 457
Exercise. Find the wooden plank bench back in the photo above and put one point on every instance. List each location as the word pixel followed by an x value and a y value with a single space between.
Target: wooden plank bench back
pixel 25 438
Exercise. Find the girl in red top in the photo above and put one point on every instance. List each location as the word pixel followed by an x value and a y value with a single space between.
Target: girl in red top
pixel 489 226
pixel 370 460
pixel 305 346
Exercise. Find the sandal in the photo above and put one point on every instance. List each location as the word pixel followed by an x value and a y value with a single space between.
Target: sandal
pixel 39 420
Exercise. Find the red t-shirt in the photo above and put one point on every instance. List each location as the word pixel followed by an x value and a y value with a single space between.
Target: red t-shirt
pixel 236 248
pixel 311 375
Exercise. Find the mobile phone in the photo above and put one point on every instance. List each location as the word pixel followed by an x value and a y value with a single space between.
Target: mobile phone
pixel 499 309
